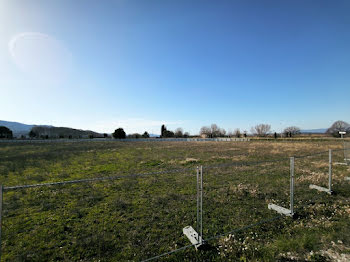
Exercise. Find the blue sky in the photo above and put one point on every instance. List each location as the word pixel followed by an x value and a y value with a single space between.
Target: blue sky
pixel 137 64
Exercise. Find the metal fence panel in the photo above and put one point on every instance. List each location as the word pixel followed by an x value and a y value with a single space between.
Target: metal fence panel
pixel 237 196
pixel 119 220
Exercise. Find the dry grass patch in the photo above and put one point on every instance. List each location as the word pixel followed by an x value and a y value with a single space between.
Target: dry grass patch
pixel 189 160
pixel 310 176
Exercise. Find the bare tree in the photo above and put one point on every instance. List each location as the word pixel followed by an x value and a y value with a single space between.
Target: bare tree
pixel 222 132
pixel 215 130
pixel 205 131
pixel 338 126
pixel 291 131
pixel 237 132
pixel 261 129
pixel 212 131
pixel 179 132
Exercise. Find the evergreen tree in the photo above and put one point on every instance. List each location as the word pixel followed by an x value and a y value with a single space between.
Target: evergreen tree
pixel 119 133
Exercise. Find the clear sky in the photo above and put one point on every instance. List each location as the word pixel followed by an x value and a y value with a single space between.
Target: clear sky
pixel 138 64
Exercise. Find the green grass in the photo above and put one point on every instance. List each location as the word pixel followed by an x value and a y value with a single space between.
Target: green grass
pixel 135 218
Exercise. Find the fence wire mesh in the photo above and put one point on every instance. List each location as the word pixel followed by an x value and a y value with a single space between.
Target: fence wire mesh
pixel 347 152
pixel 236 196
pixel 311 175
pixel 118 218
pixel 123 219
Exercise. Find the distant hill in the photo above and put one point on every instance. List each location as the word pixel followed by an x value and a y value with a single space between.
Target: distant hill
pixel 314 131
pixel 20 129
pixel 63 132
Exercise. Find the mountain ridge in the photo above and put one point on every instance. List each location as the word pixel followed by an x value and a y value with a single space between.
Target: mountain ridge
pixel 19 129
pixel 315 131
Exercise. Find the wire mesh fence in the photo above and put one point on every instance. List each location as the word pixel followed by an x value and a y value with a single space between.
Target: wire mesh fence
pixel 122 219
pixel 347 152
pixel 127 217
pixel 235 196
pixel 312 178
pixel 35 217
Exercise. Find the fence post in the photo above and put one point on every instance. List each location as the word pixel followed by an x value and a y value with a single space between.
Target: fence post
pixel 200 203
pixel 292 186
pixel 330 171
pixel 197 199
pixel 344 147
pixel 201 170
pixel 196 236
pixel 1 197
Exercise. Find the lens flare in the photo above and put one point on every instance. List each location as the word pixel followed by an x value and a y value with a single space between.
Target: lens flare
pixel 41 56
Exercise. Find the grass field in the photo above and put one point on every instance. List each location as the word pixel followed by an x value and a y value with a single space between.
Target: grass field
pixel 135 218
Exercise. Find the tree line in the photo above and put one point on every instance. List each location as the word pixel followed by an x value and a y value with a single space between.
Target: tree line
pixel 119 133
pixel 263 130
pixel 260 130
pixel 212 131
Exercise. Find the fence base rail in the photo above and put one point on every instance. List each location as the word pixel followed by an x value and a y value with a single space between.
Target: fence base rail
pixel 281 210
pixel 322 189
pixel 193 236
